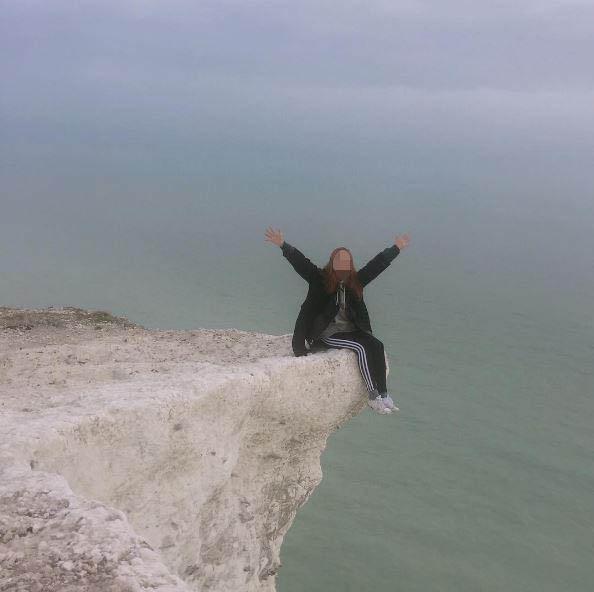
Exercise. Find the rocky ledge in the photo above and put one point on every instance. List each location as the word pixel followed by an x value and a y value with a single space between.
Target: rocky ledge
pixel 143 459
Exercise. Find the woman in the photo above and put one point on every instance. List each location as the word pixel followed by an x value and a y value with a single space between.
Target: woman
pixel 334 313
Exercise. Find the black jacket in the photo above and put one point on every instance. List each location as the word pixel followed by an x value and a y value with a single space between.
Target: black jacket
pixel 319 308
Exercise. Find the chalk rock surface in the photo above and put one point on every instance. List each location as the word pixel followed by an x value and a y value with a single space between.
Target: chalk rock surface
pixel 165 460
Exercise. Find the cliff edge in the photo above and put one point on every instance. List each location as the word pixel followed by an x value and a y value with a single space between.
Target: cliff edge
pixel 135 459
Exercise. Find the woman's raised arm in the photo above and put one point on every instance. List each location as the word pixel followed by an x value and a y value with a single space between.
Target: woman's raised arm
pixel 382 260
pixel 301 264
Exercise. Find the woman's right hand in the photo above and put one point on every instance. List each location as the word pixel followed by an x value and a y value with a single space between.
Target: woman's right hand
pixel 274 236
pixel 402 241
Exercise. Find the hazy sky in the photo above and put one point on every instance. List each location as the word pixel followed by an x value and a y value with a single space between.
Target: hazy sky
pixel 128 81
pixel 179 101
pixel 125 122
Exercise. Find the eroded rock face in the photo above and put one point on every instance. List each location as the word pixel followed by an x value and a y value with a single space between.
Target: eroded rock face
pixel 135 459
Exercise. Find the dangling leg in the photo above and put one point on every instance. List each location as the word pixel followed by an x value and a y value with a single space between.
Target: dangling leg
pixel 349 340
pixel 377 362
pixel 367 349
pixel 376 358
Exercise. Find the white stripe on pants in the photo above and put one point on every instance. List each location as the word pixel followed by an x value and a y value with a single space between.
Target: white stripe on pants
pixel 361 356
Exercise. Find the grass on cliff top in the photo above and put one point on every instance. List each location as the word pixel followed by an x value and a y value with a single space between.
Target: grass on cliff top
pixel 25 318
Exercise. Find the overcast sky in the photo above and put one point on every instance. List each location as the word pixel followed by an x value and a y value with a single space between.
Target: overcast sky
pixel 134 87
pixel 145 131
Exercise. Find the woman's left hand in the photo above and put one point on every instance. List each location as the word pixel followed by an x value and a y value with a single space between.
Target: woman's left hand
pixel 402 241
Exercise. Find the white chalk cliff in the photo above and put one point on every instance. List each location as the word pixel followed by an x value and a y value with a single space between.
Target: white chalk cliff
pixel 135 459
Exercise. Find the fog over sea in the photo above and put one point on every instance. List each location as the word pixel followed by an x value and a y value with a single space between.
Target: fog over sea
pixel 145 149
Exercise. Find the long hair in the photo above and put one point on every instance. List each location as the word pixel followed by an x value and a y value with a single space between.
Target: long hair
pixel 331 280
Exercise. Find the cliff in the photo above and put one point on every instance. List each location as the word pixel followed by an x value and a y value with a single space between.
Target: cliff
pixel 135 459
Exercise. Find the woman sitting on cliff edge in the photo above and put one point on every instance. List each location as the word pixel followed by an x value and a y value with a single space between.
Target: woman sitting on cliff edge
pixel 334 312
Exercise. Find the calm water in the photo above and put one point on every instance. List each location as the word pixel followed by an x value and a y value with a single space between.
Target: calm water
pixel 485 479
pixel 146 146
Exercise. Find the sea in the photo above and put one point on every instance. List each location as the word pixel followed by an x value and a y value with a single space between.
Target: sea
pixel 484 480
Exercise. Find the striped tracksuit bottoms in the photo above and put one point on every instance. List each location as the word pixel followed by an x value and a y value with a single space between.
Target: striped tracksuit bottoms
pixel 370 353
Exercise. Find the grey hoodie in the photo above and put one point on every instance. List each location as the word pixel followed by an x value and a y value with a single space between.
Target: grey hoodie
pixel 341 321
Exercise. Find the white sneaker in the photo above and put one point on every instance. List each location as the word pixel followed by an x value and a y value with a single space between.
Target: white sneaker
pixel 378 406
pixel 387 400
